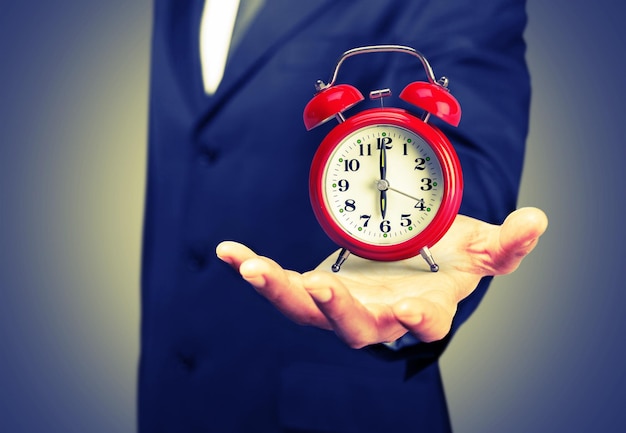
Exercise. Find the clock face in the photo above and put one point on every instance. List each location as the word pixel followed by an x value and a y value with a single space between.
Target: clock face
pixel 384 184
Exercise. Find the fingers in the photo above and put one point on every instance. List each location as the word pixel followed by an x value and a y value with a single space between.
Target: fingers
pixel 234 253
pixel 344 314
pixel 425 319
pixel 517 237
pixel 356 324
pixel 321 299
pixel 317 298
pixel 281 287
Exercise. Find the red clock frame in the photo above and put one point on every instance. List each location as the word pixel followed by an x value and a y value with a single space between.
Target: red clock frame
pixel 452 184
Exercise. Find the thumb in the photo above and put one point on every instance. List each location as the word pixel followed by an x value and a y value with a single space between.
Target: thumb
pixel 518 236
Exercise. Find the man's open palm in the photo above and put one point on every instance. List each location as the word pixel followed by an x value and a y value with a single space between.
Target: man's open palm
pixel 370 302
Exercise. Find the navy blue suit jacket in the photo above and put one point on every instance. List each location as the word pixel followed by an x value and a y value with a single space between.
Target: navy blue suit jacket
pixel 215 356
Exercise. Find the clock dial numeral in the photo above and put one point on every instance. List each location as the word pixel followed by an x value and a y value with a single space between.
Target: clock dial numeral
pixel 384 141
pixel 427 184
pixel 352 165
pixel 343 185
pixel 349 205
pixel 420 164
pixel 385 226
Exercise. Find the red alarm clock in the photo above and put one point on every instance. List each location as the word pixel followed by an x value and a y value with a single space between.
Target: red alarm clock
pixel 385 184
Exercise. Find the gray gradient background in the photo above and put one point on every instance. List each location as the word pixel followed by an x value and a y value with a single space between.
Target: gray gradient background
pixel 543 353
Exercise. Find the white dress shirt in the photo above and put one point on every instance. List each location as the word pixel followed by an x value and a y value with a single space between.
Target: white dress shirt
pixel 222 25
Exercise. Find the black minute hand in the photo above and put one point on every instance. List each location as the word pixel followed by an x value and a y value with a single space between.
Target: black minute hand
pixel 382 185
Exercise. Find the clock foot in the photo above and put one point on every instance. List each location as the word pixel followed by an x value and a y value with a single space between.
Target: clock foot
pixel 427 255
pixel 343 256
